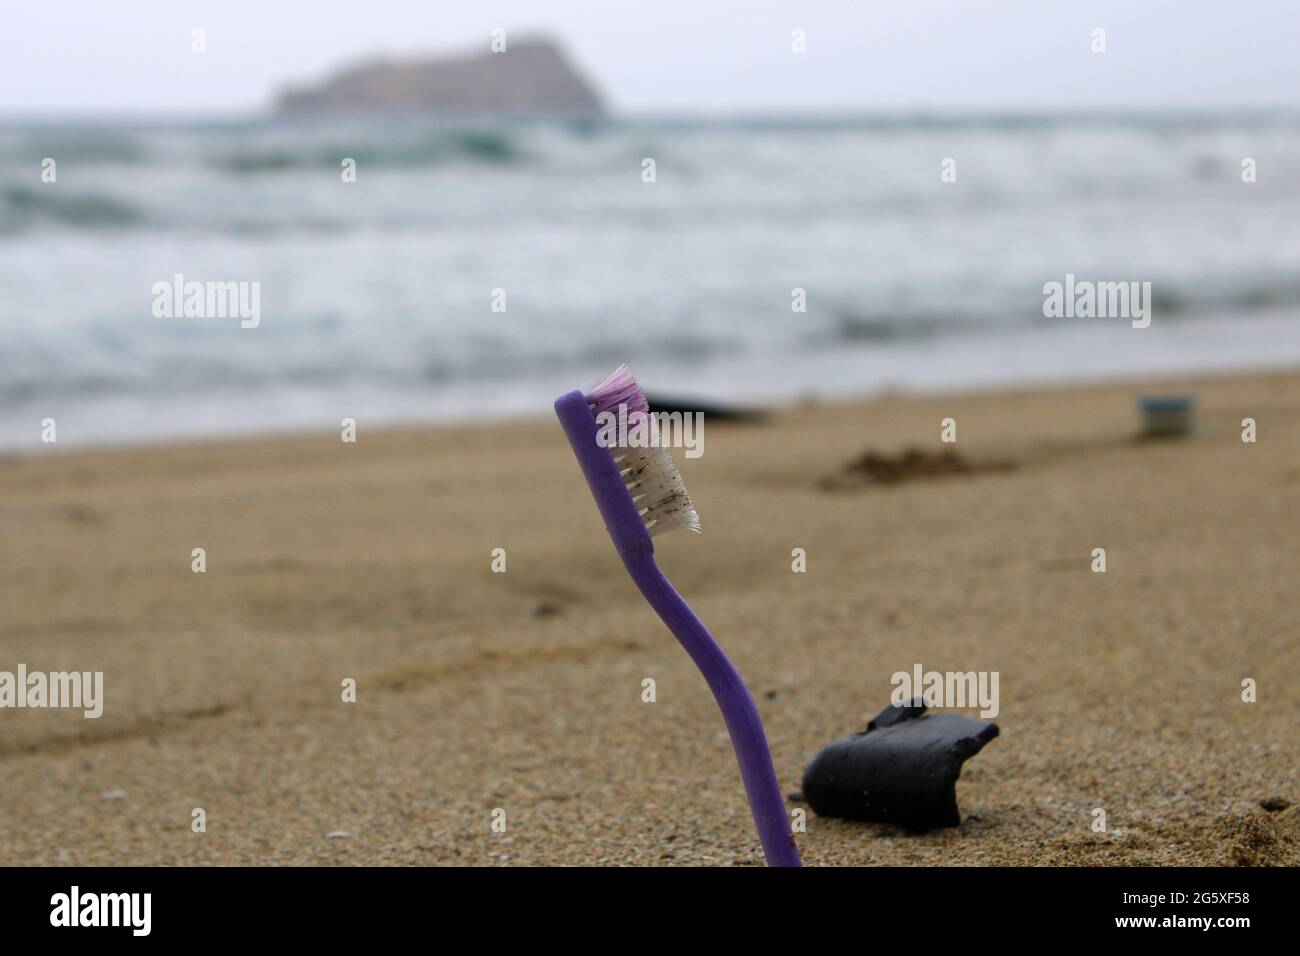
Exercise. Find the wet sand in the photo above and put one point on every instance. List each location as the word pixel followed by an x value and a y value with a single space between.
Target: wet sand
pixel 522 690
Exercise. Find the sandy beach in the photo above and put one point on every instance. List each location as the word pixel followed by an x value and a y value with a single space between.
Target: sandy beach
pixel 521 690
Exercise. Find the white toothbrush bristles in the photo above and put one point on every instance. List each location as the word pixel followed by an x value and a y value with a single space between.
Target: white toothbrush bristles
pixel 657 488
pixel 649 471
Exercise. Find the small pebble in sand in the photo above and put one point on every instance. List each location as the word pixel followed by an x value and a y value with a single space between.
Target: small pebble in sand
pixel 113 795
pixel 1274 804
pixel 545 609
pixel 338 835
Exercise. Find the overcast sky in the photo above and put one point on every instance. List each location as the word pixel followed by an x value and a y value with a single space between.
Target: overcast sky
pixel 92 57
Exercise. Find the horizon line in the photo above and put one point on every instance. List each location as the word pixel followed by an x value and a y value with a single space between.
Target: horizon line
pixel 784 114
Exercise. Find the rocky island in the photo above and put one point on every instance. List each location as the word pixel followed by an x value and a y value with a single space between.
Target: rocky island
pixel 530 77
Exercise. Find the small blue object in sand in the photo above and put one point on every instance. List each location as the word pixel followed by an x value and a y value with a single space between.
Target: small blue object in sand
pixel 1166 416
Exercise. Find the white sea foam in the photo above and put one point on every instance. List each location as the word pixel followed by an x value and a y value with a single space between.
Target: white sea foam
pixel 377 294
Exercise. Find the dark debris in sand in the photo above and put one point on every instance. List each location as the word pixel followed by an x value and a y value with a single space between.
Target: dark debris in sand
pixel 911 464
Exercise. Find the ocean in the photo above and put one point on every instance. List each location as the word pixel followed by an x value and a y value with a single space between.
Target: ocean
pixel 475 270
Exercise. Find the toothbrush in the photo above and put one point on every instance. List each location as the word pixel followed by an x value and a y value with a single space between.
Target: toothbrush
pixel 640 493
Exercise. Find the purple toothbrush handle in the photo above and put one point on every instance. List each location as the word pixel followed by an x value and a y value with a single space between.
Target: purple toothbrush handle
pixel 632 540
pixel 738 710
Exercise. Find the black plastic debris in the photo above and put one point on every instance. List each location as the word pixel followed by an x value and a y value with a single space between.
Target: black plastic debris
pixel 902 769
pixel 712 411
